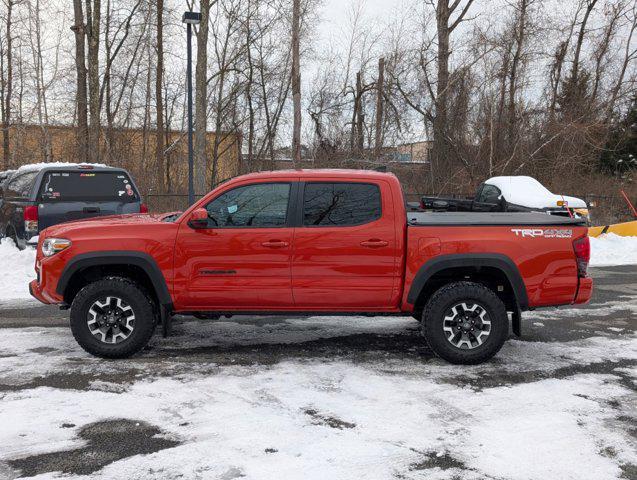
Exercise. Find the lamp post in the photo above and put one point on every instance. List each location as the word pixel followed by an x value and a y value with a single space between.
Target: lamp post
pixel 190 19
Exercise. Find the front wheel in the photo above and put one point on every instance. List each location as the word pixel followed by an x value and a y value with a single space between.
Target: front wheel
pixel 465 323
pixel 112 318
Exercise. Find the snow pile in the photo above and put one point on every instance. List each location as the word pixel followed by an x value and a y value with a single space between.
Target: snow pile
pixel 17 269
pixel 32 167
pixel 611 249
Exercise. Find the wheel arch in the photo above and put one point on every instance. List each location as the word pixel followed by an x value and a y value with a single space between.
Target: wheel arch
pixel 484 267
pixel 131 264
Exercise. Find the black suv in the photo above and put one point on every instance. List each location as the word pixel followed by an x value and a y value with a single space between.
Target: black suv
pixel 37 196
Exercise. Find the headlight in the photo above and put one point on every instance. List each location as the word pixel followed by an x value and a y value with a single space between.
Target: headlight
pixel 51 246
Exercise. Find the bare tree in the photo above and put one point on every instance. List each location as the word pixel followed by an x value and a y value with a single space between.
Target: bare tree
pixel 444 27
pixel 7 83
pixel 159 98
pixel 93 24
pixel 35 37
pixel 201 100
pixel 79 28
pixel 296 80
pixel 380 101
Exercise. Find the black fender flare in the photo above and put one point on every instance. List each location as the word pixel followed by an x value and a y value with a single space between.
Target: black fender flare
pixel 114 257
pixel 495 260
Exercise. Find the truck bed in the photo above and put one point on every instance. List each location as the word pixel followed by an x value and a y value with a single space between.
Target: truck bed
pixel 416 219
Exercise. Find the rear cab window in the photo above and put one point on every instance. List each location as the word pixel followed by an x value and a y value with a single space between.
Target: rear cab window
pixel 96 186
pixel 340 204
pixel 20 185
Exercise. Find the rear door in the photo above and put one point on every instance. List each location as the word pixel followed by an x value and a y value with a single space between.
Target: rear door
pixel 345 248
pixel 73 195
pixel 16 197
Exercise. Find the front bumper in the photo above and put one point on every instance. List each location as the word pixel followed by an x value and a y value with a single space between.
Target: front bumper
pixel 36 292
pixel 48 271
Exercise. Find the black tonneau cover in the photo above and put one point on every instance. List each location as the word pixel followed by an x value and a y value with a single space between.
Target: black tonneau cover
pixel 489 218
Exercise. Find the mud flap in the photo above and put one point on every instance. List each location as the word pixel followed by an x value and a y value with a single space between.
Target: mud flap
pixel 516 322
pixel 166 321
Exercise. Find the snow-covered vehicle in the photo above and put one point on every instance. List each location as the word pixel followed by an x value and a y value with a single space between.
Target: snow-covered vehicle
pixel 511 194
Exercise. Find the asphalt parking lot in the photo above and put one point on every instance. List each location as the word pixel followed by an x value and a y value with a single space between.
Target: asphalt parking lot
pixel 274 397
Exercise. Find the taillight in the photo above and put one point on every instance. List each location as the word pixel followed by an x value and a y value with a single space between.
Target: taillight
pixel 582 249
pixel 143 208
pixel 31 218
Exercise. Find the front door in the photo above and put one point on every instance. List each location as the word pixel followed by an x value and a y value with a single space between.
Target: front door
pixel 345 248
pixel 242 260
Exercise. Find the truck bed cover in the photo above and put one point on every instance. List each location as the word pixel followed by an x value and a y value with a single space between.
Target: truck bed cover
pixel 490 219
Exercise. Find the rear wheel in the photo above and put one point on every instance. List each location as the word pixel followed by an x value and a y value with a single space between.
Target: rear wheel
pixel 465 323
pixel 112 318
pixel 13 235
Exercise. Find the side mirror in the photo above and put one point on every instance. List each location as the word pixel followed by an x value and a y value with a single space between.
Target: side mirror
pixel 198 219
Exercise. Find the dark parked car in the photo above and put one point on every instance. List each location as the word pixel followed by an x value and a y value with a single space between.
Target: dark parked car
pixel 511 194
pixel 35 197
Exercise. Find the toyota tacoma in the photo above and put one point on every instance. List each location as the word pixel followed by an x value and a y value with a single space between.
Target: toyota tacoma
pixel 312 242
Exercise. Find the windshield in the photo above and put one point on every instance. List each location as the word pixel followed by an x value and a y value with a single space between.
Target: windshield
pixel 87 186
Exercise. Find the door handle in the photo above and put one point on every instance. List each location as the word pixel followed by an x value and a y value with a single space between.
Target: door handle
pixel 275 244
pixel 374 243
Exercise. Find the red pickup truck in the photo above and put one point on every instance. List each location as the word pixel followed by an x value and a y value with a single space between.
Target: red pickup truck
pixel 319 242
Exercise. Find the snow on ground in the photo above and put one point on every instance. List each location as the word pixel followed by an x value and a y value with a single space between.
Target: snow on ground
pixel 611 249
pixel 17 269
pixel 329 417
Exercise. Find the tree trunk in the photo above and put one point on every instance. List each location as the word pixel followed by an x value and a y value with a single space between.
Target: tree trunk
pixel 40 87
pixel 580 40
pixel 440 147
pixel 6 120
pixel 296 81
pixel 201 102
pixel 159 100
pixel 378 144
pixel 520 36
pixel 360 115
pixel 93 17
pixel 80 70
pixel 249 86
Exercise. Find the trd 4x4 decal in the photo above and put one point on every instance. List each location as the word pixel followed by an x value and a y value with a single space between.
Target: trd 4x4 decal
pixel 539 232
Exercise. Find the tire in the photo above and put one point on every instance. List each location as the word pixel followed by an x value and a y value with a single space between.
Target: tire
pixel 13 235
pixel 133 307
pixel 447 323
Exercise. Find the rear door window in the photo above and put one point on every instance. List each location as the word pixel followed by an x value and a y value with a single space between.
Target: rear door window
pixel 21 185
pixel 87 186
pixel 340 204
